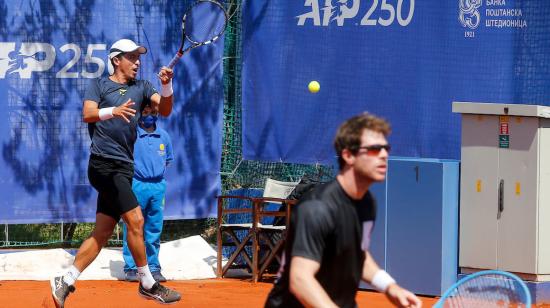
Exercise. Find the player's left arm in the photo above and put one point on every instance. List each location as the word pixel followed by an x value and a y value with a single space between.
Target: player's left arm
pixel 383 282
pixel 163 101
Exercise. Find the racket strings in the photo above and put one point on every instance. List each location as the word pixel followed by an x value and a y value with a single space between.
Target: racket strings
pixel 204 22
pixel 487 291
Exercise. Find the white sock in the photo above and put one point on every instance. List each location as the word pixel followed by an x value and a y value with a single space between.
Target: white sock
pixel 71 276
pixel 145 277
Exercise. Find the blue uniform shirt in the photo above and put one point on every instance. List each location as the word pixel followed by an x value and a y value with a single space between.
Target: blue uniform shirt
pixel 114 138
pixel 152 152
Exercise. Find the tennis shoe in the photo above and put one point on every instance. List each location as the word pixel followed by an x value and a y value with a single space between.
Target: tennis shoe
pixel 158 277
pixel 60 291
pixel 131 276
pixel 160 293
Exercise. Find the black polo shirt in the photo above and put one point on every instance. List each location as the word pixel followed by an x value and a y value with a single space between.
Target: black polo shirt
pixel 329 227
pixel 115 138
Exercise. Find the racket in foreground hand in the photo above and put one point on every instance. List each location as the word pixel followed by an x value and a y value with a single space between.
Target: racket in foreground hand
pixel 490 288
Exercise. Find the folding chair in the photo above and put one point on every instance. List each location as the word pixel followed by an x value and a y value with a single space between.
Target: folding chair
pixel 260 234
pixel 235 216
pixel 269 231
pixel 269 237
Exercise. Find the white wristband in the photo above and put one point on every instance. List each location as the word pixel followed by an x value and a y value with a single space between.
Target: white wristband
pixel 166 89
pixel 106 113
pixel 381 281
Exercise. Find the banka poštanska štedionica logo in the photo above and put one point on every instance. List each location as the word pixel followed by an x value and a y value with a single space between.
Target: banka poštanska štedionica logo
pixel 489 14
pixel 469 13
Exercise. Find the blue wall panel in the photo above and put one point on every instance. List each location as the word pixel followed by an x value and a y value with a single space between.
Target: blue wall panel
pixel 416 233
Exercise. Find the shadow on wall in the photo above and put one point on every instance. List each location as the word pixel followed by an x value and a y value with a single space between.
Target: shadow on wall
pixel 195 124
pixel 46 150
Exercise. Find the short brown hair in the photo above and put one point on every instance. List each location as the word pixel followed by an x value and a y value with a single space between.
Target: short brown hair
pixel 349 133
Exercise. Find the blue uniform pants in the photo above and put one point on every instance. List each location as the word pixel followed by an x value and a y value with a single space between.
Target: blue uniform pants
pixel 150 197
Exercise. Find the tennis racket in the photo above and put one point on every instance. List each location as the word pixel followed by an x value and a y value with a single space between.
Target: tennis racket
pixel 203 23
pixel 487 289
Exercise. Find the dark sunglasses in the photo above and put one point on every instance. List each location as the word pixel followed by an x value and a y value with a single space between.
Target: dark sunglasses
pixel 376 148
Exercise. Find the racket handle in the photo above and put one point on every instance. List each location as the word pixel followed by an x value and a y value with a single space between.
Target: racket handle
pixel 175 60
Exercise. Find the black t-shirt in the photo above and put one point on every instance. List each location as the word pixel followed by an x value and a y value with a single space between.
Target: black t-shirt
pixel 115 138
pixel 329 227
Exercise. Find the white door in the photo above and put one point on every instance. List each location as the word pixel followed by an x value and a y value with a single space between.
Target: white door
pixel 478 191
pixel 518 167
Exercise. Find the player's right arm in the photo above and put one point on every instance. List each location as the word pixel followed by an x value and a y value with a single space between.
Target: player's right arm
pixel 305 286
pixel 163 102
pixel 384 283
pixel 91 113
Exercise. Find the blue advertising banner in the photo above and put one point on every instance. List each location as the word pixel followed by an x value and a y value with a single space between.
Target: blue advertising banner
pixel 404 60
pixel 49 52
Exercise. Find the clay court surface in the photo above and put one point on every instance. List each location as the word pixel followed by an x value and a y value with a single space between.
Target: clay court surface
pixel 196 293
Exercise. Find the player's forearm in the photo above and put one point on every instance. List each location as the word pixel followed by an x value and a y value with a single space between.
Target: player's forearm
pixel 377 277
pixel 90 115
pixel 309 292
pixel 369 268
pixel 166 95
pixel 165 105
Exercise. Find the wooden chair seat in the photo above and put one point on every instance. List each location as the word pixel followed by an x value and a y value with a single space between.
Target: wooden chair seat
pixel 244 226
pixel 271 227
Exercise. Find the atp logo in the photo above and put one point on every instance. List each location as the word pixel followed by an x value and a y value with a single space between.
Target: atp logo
pixel 122 92
pixel 469 14
pixel 333 10
pixel 379 13
pixel 23 59
pixel 31 57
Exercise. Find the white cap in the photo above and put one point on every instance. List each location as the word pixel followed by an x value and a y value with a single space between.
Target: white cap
pixel 121 46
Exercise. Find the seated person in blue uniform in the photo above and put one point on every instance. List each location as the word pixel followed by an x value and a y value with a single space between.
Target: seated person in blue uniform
pixel 153 153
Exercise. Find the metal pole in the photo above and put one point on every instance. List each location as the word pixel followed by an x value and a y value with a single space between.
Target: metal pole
pixel 61 236
pixel 6 234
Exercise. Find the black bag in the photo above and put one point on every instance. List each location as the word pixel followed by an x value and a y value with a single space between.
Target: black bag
pixel 306 184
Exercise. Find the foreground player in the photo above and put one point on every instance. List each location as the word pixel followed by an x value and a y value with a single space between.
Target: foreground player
pixel 326 252
pixel 110 105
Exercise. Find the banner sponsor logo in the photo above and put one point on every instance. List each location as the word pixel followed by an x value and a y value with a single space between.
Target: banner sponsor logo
pixel 469 13
pixel 496 14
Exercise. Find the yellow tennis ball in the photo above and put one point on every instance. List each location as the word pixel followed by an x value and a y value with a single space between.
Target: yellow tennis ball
pixel 314 86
